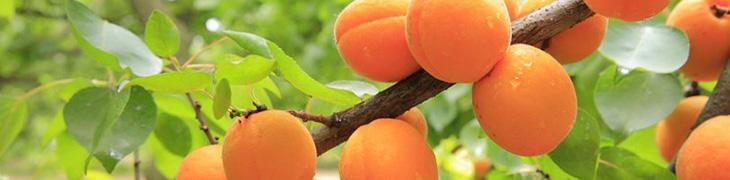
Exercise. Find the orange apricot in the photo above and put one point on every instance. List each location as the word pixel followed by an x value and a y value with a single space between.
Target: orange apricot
pixel 513 7
pixel 527 104
pixel 721 3
pixel 709 39
pixel 415 118
pixel 202 163
pixel 706 153
pixel 269 145
pixel 671 132
pixel 371 38
pixel 481 167
pixel 387 149
pixel 576 43
pixel 458 41
pixel 628 10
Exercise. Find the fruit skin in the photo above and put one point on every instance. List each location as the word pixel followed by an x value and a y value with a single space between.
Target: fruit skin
pixel 415 118
pixel 481 167
pixel 576 43
pixel 628 10
pixel 202 163
pixel 513 7
pixel 706 153
pixel 721 3
pixel 527 104
pixel 370 36
pixel 709 39
pixel 458 41
pixel 671 132
pixel 269 145
pixel 387 149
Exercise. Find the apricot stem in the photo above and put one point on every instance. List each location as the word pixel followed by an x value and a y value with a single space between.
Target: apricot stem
pixel 199 115
pixel 311 117
pixel 720 11
pixel 420 86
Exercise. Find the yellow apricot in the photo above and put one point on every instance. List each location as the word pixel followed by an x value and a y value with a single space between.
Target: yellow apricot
pixel 671 132
pixel 709 39
pixel 628 10
pixel 706 153
pixel 527 104
pixel 371 38
pixel 387 149
pixel 202 163
pixel 513 7
pixel 458 41
pixel 576 43
pixel 269 145
pixel 415 118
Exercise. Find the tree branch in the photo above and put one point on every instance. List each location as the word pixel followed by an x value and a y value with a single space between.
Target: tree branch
pixel 201 120
pixel 420 86
pixel 310 117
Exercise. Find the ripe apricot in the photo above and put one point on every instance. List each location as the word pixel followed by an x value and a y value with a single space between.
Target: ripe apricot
pixel 513 7
pixel 202 163
pixel 269 145
pixel 671 132
pixel 709 39
pixel 387 149
pixel 481 167
pixel 527 104
pixel 576 43
pixel 370 36
pixel 721 3
pixel 706 153
pixel 628 10
pixel 415 118
pixel 458 41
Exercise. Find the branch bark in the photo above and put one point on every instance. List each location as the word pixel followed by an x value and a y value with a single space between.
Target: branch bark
pixel 201 120
pixel 394 101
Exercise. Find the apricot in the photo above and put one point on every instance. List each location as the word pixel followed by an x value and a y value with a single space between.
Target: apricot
pixel 415 118
pixel 527 104
pixel 370 36
pixel 576 43
pixel 387 149
pixel 481 167
pixel 709 39
pixel 671 132
pixel 458 41
pixel 628 10
pixel 269 145
pixel 706 153
pixel 513 7
pixel 202 163
pixel 721 3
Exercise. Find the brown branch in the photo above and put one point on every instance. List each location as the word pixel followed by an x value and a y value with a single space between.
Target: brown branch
pixel 311 117
pixel 201 120
pixel 137 162
pixel 419 87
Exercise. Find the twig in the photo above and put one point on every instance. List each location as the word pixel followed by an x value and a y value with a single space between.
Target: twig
pixel 532 29
pixel 137 161
pixel 209 46
pixel 311 117
pixel 201 120
pixel 44 87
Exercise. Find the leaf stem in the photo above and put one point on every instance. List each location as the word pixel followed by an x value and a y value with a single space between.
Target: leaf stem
pixel 201 120
pixel 43 87
pixel 209 46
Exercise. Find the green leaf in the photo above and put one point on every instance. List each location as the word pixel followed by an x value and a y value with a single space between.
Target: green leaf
pixel 243 71
pixel 13 113
pixel 441 113
pixel 657 48
pixel 643 144
pixel 161 34
pixel 56 127
pixel 7 8
pixel 70 89
pixel 222 99
pixel 503 159
pixel 165 161
pixel 359 88
pixel 292 72
pixel 635 100
pixel 110 124
pixel 175 82
pixel 173 134
pixel 71 155
pixel 577 155
pixel 254 44
pixel 110 44
pixel 474 139
pixel 617 163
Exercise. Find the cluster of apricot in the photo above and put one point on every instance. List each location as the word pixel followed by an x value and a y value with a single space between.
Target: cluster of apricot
pixel 275 145
pixel 702 153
